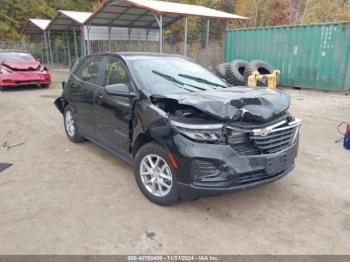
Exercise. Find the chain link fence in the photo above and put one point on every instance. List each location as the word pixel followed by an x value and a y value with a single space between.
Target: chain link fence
pixel 34 46
pixel 196 49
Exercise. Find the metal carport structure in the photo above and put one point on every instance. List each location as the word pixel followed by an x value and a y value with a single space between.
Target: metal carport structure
pixel 37 27
pixel 153 15
pixel 65 21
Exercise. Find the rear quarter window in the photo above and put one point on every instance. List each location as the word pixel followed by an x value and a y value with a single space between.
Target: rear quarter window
pixel 77 69
pixel 89 69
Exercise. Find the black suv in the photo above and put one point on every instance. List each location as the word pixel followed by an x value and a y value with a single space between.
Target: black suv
pixel 186 132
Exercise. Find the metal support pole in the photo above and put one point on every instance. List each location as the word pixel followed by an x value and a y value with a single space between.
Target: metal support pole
pixel 227 25
pixel 207 41
pixel 82 48
pixel 160 24
pixel 47 49
pixel 84 51
pixel 75 43
pixel 161 34
pixel 129 36
pixel 147 36
pixel 65 56
pixel 88 40
pixel 109 39
pixel 51 56
pixel 186 33
pixel 41 50
pixel 68 48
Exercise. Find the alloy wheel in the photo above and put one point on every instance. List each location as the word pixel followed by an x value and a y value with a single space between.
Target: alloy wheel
pixel 156 175
pixel 70 124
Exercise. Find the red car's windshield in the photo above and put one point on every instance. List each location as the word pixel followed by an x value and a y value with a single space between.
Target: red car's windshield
pixel 15 56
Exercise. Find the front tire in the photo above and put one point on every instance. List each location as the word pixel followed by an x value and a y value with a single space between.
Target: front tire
pixel 71 127
pixel 155 175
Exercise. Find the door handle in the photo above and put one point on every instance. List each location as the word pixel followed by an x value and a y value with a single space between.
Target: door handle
pixel 98 98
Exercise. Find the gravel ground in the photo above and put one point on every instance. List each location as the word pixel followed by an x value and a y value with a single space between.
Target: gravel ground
pixel 64 198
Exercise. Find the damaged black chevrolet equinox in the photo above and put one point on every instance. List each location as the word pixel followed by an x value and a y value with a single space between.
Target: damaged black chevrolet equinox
pixel 186 132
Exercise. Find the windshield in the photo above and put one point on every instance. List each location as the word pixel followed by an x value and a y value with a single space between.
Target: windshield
pixel 165 75
pixel 15 56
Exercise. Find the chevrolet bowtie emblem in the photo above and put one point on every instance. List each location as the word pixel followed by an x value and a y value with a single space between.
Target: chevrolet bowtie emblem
pixel 262 132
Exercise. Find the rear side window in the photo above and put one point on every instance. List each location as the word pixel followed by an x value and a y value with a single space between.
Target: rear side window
pixel 115 73
pixel 88 70
pixel 74 65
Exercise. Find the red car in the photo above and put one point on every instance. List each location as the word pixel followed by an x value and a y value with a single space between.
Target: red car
pixel 19 68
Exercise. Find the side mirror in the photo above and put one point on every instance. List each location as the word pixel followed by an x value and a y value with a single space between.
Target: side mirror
pixel 63 84
pixel 120 90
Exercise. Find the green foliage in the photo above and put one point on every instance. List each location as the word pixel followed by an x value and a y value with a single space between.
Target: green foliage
pixel 290 12
pixel 14 13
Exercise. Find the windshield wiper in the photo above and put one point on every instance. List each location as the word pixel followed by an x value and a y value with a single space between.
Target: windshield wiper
pixel 201 80
pixel 178 82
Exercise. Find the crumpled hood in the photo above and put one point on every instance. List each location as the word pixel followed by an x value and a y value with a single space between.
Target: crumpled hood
pixel 22 65
pixel 237 103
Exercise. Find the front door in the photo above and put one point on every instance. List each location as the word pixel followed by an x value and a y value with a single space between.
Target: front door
pixel 113 113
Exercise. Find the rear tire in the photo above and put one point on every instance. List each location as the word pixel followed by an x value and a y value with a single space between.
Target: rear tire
pixel 155 175
pixel 70 126
pixel 235 73
pixel 221 70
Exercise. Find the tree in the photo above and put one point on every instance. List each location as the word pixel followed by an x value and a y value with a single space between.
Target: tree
pixel 14 13
pixel 327 11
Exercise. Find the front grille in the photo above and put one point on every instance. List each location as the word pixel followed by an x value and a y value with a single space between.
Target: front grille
pixel 276 141
pixel 264 141
pixel 243 145
pixel 30 69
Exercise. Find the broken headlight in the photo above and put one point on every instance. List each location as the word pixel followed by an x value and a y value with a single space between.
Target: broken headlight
pixel 4 70
pixel 204 133
pixel 43 69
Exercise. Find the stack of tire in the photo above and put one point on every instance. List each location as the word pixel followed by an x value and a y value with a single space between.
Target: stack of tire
pixel 237 72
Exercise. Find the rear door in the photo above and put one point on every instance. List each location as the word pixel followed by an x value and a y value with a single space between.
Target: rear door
pixel 83 83
pixel 114 113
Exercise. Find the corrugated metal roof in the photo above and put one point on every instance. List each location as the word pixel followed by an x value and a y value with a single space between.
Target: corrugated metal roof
pixel 140 13
pixel 184 9
pixel 121 34
pixel 79 17
pixel 35 26
pixel 41 23
pixel 67 20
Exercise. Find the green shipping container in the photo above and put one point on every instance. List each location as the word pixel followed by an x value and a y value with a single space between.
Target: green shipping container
pixel 309 56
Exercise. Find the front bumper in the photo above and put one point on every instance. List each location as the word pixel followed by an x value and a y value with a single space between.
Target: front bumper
pixel 212 169
pixel 192 192
pixel 25 78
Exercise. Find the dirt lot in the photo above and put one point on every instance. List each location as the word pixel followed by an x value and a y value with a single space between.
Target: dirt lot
pixel 63 198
